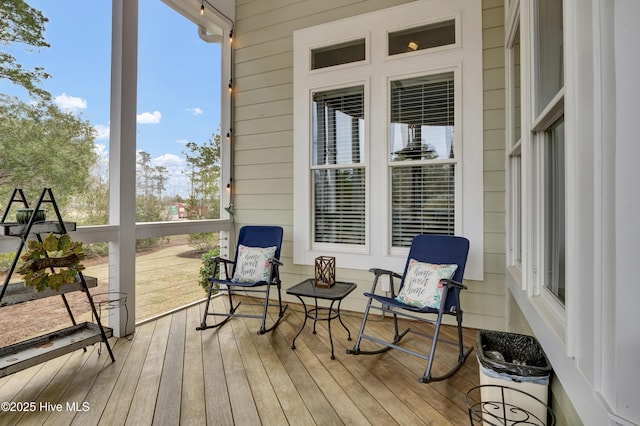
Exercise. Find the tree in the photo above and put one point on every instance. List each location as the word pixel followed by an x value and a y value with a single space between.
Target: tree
pixel 22 24
pixel 203 162
pixel 43 146
pixel 160 176
pixel 150 181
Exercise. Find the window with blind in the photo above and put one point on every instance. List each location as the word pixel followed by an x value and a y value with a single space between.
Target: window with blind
pixel 422 160
pixel 378 142
pixel 338 168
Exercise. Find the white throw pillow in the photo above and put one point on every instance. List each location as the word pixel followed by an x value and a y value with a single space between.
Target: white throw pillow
pixel 252 264
pixel 422 287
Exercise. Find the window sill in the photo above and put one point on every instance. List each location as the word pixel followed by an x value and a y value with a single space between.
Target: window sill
pixel 538 309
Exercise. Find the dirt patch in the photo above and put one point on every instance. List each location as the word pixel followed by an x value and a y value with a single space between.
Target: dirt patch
pixel 192 254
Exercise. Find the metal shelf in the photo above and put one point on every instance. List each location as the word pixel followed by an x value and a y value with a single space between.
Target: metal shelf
pixel 15 229
pixel 20 293
pixel 34 351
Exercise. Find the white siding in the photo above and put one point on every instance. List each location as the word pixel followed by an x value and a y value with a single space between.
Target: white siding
pixel 263 137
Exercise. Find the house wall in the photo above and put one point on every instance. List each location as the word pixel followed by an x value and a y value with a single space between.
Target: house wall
pixel 263 138
pixel 263 147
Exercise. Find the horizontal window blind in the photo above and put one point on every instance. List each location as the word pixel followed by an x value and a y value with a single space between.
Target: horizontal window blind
pixel 422 118
pixel 338 120
pixel 422 101
pixel 339 206
pixel 423 202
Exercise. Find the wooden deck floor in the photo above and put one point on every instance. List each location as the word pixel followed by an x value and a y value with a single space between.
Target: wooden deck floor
pixel 171 374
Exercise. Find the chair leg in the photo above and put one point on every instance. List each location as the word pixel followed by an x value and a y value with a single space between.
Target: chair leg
pixel 281 310
pixel 462 355
pixel 232 310
pixel 356 346
pixel 397 335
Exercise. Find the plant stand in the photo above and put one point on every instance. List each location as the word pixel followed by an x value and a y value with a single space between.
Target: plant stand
pixel 19 356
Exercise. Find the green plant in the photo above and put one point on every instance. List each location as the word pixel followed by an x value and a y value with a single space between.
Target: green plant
pixel 148 243
pixel 96 250
pixel 203 240
pixel 5 261
pixel 207 268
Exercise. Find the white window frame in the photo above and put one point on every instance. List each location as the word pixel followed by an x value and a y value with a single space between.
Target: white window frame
pixel 464 58
pixel 528 273
pixel 513 148
pixel 457 149
pixel 345 248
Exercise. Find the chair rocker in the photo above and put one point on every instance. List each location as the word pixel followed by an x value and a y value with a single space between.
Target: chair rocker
pixel 442 253
pixel 255 269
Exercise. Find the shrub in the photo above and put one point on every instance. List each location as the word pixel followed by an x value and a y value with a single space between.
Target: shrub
pixel 5 261
pixel 203 241
pixel 96 250
pixel 206 270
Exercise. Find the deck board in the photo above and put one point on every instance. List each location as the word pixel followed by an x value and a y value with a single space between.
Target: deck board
pixel 192 401
pixel 169 373
pixel 167 406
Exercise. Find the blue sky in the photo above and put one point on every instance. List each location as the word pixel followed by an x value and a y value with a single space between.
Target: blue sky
pixel 178 76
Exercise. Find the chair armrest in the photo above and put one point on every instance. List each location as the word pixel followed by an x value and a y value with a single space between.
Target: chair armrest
pixel 452 283
pixel 380 272
pixel 226 262
pixel 275 261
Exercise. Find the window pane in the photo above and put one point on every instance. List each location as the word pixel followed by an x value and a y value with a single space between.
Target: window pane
pixel 422 118
pixel 554 193
pixel 338 126
pixel 515 214
pixel 423 201
pixel 549 51
pixel 339 205
pixel 424 37
pixel 338 54
pixel 516 89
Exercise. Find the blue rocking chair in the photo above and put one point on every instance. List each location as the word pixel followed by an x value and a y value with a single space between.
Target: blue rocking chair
pixel 430 285
pixel 255 269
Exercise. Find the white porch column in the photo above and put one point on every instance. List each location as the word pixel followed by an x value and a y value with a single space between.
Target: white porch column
pixel 122 160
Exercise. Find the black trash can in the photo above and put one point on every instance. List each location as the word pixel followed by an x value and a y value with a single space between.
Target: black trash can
pixel 516 361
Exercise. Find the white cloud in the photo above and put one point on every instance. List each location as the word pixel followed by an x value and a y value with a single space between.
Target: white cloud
pixel 196 111
pixel 177 182
pixel 182 141
pixel 102 151
pixel 70 103
pixel 102 131
pixel 149 117
pixel 170 161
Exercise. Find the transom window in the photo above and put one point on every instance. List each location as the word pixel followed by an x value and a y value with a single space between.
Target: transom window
pixel 423 37
pixel 338 54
